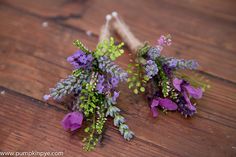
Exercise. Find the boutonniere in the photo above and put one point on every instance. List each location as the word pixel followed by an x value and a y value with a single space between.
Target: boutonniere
pixel 161 78
pixel 92 87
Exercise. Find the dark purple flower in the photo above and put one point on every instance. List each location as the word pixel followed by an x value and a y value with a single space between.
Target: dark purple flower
pixel 167 70
pixel 164 103
pixel 80 60
pixel 183 107
pixel 72 121
pixel 187 90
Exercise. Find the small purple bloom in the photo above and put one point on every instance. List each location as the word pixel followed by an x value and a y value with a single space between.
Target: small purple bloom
pixel 164 40
pixel 161 40
pixel 115 96
pixel 173 63
pixel 46 97
pixel 164 103
pixel 187 90
pixel 114 81
pixel 100 86
pixel 72 121
pixel 154 53
pixel 80 60
pixel 151 68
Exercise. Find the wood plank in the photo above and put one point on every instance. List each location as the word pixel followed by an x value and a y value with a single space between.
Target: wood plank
pixel 30 124
pixel 32 63
pixel 190 38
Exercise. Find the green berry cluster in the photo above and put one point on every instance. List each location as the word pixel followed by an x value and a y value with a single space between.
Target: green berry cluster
pixel 109 48
pixel 137 80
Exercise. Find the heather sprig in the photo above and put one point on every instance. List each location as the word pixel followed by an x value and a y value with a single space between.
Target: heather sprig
pixel 108 66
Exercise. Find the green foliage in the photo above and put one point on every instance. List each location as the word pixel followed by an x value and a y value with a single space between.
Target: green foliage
pixel 92 104
pixel 92 139
pixel 137 81
pixel 77 72
pixel 88 99
pixel 109 48
pixel 101 119
pixel 165 84
pixel 143 50
pixel 81 46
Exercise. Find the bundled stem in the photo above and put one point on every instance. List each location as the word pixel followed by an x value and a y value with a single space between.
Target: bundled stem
pixel 119 25
pixel 105 30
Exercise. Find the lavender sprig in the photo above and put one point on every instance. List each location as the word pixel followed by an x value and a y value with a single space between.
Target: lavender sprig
pixel 106 65
pixel 181 64
pixel 119 120
pixel 64 87
pixel 151 69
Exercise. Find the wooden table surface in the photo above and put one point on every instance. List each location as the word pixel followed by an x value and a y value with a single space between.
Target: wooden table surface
pixel 36 38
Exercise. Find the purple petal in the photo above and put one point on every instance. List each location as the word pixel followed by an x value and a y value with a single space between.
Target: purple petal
pixel 115 96
pixel 189 104
pixel 66 122
pixel 74 127
pixel 194 92
pixel 76 118
pixel 46 97
pixel 176 83
pixel 155 103
pixel 72 121
pixel 168 104
pixel 70 59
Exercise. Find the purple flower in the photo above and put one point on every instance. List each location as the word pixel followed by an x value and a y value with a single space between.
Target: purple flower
pixel 153 53
pixel 114 82
pixel 115 96
pixel 182 64
pixel 100 86
pixel 80 60
pixel 164 40
pixel 161 40
pixel 187 90
pixel 72 121
pixel 151 68
pixel 46 97
pixel 164 103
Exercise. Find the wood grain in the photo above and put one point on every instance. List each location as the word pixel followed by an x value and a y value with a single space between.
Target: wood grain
pixel 189 27
pixel 33 59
